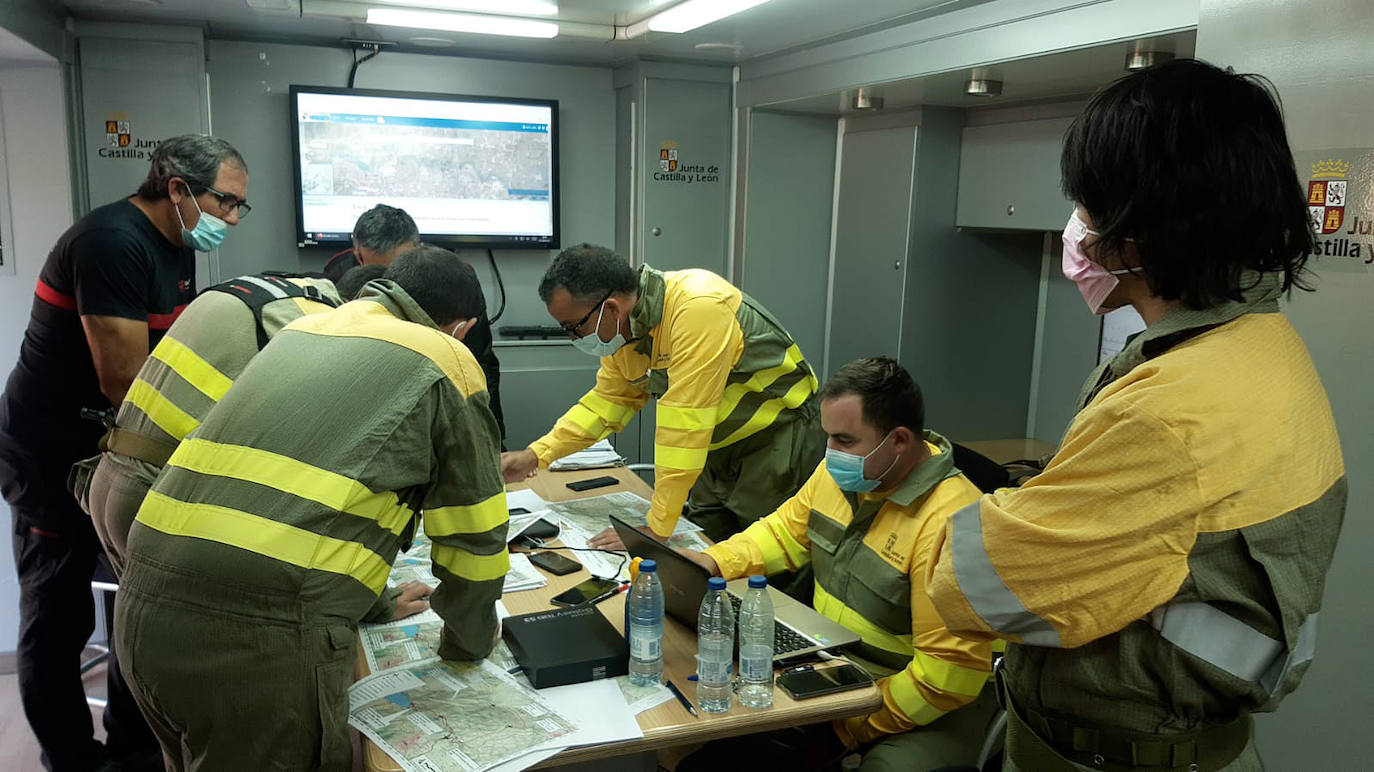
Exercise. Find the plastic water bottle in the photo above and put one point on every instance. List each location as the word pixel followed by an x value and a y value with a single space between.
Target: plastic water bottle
pixel 715 648
pixel 756 646
pixel 646 627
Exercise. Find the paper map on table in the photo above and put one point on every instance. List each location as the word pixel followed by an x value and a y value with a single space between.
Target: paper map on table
pixel 641 698
pixel 438 716
pixel 522 574
pixel 581 519
pixel 403 642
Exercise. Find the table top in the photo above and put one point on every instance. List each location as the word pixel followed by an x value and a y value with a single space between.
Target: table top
pixel 667 724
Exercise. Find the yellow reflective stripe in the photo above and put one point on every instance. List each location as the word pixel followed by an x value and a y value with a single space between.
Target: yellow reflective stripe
pixel 947 676
pixel 266 537
pixel 464 564
pixel 832 608
pixel 781 550
pixel 292 476
pixel 910 700
pixel 583 418
pixel 758 382
pixel 471 518
pixel 168 417
pixel 688 418
pixel 679 458
pixel 207 379
pixel 768 411
pixel 610 412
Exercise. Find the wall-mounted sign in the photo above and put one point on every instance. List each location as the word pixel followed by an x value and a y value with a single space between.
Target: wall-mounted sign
pixel 1340 207
pixel 671 168
pixel 120 141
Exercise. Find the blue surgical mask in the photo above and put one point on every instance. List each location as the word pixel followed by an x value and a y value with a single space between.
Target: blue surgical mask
pixel 593 344
pixel 847 469
pixel 209 232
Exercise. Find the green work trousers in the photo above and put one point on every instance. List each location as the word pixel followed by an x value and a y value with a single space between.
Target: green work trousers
pixel 239 681
pixel 749 479
pixel 117 490
pixel 1027 752
pixel 954 739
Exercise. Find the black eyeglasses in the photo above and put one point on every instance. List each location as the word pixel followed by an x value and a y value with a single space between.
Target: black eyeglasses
pixel 228 202
pixel 572 329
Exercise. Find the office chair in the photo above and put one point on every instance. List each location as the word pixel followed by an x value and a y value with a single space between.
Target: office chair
pixel 103 583
pixel 983 472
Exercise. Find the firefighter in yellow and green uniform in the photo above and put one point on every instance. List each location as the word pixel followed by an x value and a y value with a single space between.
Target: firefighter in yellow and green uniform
pixel 1160 580
pixel 737 424
pixel 273 527
pixel 865 521
pixel 205 349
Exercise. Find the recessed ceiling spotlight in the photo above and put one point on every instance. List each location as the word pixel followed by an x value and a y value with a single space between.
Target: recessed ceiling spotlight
pixel 866 99
pixel 983 82
pixel 1144 54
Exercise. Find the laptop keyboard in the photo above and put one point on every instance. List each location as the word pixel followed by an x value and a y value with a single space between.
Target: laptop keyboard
pixel 785 639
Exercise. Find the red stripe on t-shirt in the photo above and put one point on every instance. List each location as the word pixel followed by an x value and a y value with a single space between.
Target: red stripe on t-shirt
pixel 52 297
pixel 163 321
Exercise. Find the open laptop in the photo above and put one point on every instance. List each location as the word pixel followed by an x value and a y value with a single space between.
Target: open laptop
pixel 798 629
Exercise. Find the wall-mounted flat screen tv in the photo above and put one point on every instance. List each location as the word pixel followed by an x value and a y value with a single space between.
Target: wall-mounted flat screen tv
pixel 473 171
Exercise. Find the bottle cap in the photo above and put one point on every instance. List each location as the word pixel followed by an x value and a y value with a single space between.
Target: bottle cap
pixel 715 583
pixel 756 582
pixel 648 566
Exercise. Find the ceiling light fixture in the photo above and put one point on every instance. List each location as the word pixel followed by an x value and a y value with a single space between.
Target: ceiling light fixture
pixel 462 22
pixel 505 7
pixel 865 99
pixel 1143 54
pixel 689 15
pixel 983 82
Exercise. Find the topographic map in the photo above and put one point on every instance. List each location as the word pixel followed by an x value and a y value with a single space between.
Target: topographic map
pixel 439 716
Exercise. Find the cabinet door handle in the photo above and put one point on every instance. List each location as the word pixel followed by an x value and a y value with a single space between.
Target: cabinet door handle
pixel 1011 209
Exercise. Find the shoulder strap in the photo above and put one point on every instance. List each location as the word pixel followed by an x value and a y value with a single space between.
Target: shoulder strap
pixel 257 291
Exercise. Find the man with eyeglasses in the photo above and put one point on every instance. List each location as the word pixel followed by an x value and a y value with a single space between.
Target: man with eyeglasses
pixel 112 285
pixel 738 427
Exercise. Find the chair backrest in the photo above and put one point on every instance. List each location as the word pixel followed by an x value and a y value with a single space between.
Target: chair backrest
pixel 982 471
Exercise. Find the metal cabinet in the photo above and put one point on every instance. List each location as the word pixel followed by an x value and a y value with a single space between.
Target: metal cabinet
pixel 1009 176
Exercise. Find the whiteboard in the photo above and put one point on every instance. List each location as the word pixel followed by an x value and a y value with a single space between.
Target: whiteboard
pixel 1117 326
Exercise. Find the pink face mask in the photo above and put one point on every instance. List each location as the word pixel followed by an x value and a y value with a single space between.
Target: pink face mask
pixel 1094 282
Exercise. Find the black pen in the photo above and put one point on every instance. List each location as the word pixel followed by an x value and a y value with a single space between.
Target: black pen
pixel 682 698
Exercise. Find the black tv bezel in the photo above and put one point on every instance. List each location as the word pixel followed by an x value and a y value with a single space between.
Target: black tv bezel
pixel 304 238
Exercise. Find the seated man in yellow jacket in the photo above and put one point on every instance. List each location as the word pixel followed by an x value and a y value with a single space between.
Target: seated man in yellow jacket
pixel 738 428
pixel 865 521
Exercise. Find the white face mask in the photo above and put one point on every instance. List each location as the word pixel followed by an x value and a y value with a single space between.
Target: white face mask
pixel 593 344
pixel 456 328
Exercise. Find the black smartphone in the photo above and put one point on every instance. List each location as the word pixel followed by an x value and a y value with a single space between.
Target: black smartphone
pixel 809 681
pixel 590 591
pixel 554 563
pixel 595 482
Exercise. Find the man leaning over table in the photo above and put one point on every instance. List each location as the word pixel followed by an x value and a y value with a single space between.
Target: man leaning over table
pixel 273 527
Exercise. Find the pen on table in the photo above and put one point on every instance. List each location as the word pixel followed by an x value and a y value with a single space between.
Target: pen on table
pixel 682 698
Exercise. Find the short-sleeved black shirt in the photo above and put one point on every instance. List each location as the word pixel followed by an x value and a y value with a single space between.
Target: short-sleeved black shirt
pixel 112 262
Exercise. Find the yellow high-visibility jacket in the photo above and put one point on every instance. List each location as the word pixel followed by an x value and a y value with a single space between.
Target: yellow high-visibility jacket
pixel 870 552
pixel 721 367
pixel 1165 571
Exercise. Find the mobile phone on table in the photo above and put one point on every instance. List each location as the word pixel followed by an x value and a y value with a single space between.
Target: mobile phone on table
pixel 809 681
pixel 554 563
pixel 590 591
pixel 595 482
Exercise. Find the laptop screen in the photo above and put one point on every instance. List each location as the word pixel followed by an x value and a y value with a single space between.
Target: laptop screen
pixel 684 582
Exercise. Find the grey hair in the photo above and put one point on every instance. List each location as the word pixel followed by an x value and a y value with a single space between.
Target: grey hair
pixel 383 228
pixel 195 158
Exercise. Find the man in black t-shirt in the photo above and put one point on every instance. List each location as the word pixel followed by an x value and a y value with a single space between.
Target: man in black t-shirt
pixel 381 235
pixel 112 285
